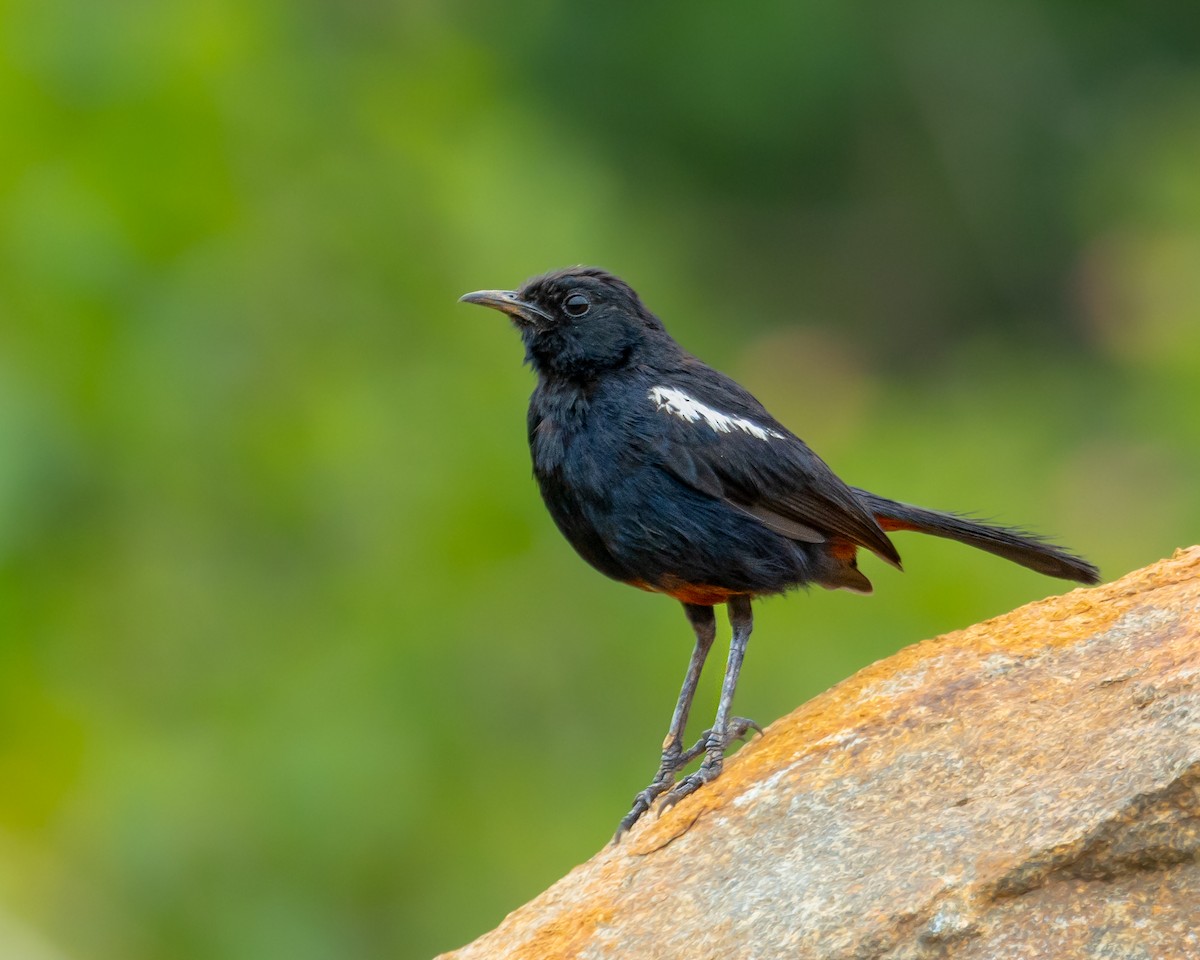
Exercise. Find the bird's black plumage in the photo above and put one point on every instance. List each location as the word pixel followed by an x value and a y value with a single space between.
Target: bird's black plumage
pixel 666 474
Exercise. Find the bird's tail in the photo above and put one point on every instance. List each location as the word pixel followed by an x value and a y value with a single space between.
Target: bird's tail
pixel 1029 550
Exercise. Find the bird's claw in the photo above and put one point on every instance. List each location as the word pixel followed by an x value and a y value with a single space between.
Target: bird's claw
pixel 675 760
pixel 640 806
pixel 740 726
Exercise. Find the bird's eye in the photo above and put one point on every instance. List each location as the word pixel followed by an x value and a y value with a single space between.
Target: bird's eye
pixel 577 305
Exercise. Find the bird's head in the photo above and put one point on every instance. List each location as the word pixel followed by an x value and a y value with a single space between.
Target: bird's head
pixel 576 322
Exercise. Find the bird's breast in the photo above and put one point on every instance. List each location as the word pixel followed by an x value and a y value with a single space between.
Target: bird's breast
pixel 575 453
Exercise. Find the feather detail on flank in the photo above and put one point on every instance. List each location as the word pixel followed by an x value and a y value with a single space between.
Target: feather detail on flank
pixel 679 404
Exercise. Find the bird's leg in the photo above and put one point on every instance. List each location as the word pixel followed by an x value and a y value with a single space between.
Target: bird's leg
pixel 674 759
pixel 725 729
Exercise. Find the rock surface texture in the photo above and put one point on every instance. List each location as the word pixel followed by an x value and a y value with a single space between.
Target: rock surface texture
pixel 1027 787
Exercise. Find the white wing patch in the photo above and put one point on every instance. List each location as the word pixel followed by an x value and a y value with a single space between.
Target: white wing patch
pixel 679 404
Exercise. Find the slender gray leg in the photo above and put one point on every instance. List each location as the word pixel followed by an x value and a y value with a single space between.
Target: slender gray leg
pixel 704 623
pixel 725 728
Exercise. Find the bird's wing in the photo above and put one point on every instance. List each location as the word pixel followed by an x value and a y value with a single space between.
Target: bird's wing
pixel 714 436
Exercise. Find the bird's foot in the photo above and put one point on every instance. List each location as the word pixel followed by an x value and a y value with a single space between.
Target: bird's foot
pixel 713 747
pixel 674 759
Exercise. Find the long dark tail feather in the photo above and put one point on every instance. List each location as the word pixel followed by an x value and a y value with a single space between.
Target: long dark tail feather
pixel 1027 549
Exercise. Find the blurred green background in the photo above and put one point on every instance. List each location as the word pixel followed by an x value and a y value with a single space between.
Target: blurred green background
pixel 292 662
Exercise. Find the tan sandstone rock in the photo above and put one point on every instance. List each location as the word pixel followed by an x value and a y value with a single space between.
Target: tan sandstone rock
pixel 1027 787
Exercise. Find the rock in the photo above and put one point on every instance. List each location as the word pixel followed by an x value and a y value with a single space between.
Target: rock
pixel 1023 788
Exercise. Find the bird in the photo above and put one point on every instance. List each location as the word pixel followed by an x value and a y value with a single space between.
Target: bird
pixel 665 474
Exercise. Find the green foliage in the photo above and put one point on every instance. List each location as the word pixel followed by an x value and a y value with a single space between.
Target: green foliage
pixel 292 663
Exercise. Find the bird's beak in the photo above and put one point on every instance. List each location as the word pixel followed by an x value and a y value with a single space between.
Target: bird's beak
pixel 506 301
